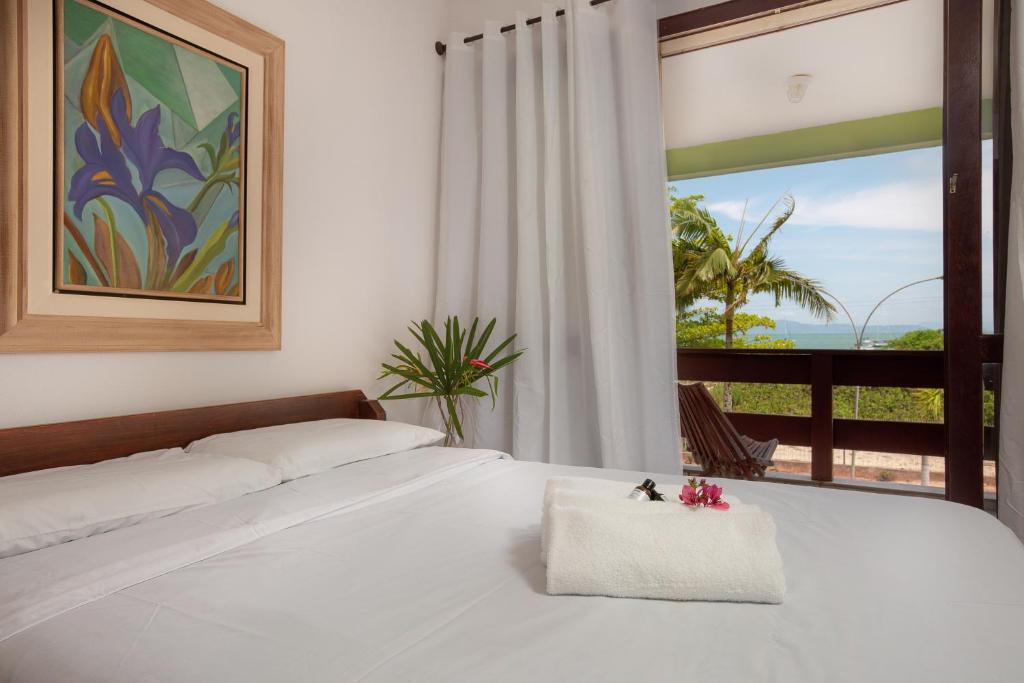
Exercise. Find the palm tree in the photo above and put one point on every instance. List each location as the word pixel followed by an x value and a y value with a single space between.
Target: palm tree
pixel 710 264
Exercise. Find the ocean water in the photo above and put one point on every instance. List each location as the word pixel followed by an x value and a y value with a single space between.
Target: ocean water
pixel 814 340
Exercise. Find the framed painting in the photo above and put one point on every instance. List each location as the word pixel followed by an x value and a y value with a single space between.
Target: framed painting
pixel 140 178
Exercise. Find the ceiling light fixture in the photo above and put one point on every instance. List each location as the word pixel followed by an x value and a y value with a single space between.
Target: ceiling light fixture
pixel 796 87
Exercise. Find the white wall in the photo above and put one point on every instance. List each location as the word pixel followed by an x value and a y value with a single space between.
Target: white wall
pixel 361 142
pixel 669 7
pixel 468 16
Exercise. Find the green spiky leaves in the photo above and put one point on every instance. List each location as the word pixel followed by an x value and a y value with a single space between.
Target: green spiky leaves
pixel 454 363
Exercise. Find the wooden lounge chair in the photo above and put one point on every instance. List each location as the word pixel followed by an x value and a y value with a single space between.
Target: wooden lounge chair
pixel 717 446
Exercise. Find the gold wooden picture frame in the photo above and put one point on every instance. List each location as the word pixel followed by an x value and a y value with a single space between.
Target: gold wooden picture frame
pixel 138 214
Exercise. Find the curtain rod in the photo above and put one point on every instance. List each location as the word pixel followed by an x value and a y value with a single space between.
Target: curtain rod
pixel 441 48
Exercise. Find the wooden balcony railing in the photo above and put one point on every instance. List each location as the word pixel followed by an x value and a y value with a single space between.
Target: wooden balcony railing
pixel 823 370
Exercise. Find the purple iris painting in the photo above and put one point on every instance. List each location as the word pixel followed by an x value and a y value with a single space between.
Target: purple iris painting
pixel 153 182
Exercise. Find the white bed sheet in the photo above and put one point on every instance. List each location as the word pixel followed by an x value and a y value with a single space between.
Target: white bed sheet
pixel 425 566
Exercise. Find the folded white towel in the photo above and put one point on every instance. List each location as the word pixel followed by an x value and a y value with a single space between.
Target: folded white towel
pixel 579 490
pixel 603 494
pixel 698 554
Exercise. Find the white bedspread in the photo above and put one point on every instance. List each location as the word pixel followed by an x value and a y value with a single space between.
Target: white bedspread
pixel 425 566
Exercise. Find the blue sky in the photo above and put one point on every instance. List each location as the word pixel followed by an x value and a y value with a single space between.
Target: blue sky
pixel 862 227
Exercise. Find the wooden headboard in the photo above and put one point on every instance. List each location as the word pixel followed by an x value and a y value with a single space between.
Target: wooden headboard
pixel 25 449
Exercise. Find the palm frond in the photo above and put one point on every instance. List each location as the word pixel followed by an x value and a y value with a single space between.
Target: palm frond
pixel 786 284
pixel 788 207
pixel 743 224
pixel 714 264
pixel 690 220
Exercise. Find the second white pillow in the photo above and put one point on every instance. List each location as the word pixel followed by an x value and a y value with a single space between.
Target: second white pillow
pixel 305 448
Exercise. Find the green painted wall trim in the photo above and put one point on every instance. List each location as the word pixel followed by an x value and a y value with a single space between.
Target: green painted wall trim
pixel 862 137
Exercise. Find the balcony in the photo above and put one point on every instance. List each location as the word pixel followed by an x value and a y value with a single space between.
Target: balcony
pixel 821 431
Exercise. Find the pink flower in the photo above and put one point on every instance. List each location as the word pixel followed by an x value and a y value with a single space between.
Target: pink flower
pixel 703 494
pixel 714 493
pixel 689 496
pixel 479 364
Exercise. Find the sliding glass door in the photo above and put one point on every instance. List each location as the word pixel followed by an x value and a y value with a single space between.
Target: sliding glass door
pixel 862 136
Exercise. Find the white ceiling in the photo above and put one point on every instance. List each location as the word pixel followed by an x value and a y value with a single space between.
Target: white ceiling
pixel 875 62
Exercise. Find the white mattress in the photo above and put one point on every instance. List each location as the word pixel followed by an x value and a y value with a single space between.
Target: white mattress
pixel 424 566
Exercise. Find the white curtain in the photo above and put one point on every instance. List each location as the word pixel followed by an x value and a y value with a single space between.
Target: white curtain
pixel 1011 417
pixel 554 220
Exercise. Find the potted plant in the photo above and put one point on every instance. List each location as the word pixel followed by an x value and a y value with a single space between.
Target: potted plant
pixel 455 363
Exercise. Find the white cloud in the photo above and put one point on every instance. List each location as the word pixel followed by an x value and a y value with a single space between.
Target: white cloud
pixel 902 205
pixel 908 205
pixel 733 210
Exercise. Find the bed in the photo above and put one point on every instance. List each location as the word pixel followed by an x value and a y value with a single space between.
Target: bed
pixel 424 565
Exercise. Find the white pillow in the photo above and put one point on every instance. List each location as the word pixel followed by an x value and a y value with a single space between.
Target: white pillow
pixel 47 507
pixel 306 448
